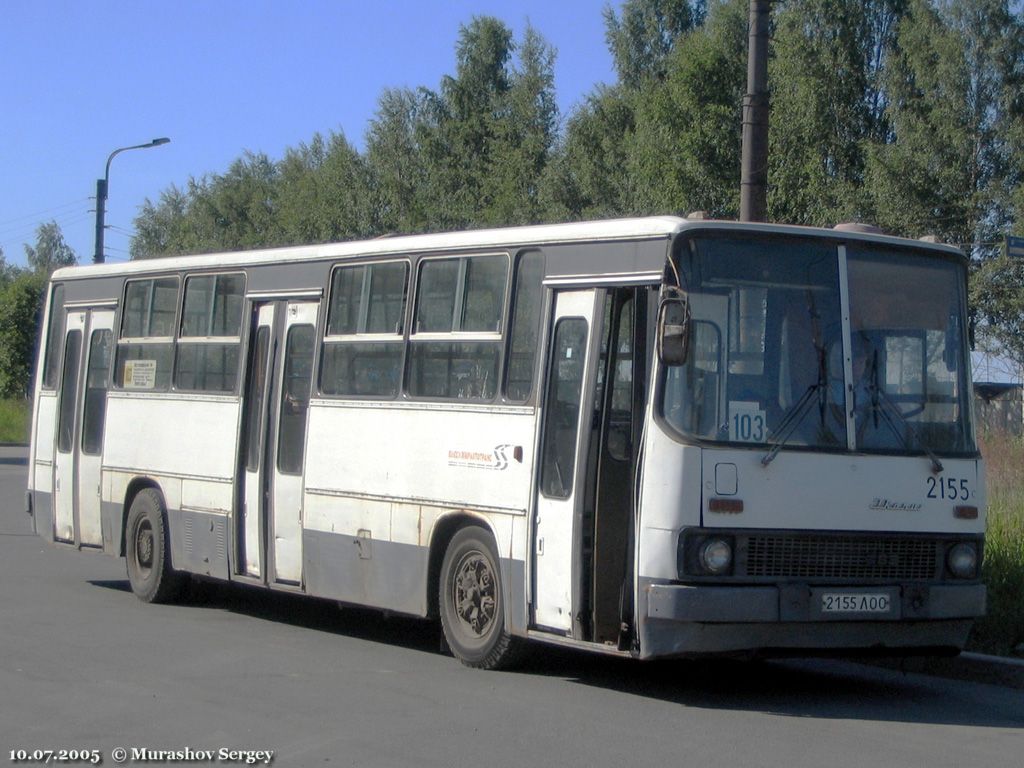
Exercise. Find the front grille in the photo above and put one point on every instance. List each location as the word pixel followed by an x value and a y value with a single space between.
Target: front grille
pixel 782 556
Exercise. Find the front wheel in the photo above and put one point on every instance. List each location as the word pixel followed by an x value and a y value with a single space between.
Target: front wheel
pixel 148 550
pixel 471 602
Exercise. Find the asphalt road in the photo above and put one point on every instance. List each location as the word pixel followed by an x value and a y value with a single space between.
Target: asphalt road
pixel 84 664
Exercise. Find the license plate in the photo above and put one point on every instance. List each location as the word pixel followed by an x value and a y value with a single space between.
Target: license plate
pixel 856 602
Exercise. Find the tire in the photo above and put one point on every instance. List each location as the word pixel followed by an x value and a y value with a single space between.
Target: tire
pixel 471 602
pixel 148 550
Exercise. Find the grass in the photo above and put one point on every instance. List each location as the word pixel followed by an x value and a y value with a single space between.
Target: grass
pixel 1002 630
pixel 14 420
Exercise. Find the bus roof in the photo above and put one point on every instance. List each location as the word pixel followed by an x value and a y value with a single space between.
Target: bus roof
pixel 608 230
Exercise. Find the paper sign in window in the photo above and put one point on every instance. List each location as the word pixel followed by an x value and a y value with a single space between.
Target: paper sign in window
pixel 140 374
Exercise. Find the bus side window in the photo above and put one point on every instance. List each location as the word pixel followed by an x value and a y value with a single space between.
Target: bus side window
pixel 362 351
pixel 521 357
pixel 456 341
pixel 209 346
pixel 145 347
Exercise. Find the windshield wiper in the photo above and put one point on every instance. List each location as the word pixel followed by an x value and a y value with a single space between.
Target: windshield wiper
pixel 882 404
pixel 792 418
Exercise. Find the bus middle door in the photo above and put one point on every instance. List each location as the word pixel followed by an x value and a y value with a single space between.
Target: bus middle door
pixel 278 388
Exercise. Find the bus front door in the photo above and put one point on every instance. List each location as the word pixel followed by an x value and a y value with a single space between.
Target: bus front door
pixel 80 421
pixel 567 402
pixel 278 387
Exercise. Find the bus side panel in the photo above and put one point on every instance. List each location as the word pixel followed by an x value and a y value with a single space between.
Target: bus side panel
pixel 371 567
pixel 670 501
pixel 177 442
pixel 380 477
pixel 182 436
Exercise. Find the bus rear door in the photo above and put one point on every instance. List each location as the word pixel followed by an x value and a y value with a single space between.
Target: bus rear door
pixel 81 415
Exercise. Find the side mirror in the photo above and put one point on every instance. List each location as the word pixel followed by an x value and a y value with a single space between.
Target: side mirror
pixel 674 329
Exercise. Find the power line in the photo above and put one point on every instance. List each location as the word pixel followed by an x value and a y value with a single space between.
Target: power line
pixel 41 214
pixel 14 239
pixel 27 230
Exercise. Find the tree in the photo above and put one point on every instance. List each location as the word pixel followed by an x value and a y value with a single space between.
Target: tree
pixel 50 251
pixel 827 105
pixel 997 298
pixel 588 176
pixel 523 137
pixel 322 193
pixel 954 104
pixel 474 152
pixel 20 305
pixel 21 298
pixel 396 163
pixel 162 229
pixel 643 37
pixel 7 271
pixel 666 138
pixel 684 151
pixel 236 210
pixel 465 115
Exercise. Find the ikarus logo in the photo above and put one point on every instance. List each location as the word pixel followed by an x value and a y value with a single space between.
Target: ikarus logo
pixel 888 505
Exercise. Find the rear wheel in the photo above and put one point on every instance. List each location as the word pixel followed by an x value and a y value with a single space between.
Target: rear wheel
pixel 148 550
pixel 471 602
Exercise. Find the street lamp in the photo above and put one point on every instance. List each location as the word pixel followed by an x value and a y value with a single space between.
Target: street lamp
pixel 101 195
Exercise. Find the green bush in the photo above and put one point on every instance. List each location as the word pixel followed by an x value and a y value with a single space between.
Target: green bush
pixel 14 420
pixel 1002 630
pixel 20 305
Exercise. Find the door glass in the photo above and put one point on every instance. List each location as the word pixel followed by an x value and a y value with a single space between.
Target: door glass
pixel 298 369
pixel 562 416
pixel 56 332
pixel 620 417
pixel 95 406
pixel 69 391
pixel 254 399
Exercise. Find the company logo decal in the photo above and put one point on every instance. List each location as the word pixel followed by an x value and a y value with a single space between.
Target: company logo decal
pixel 498 459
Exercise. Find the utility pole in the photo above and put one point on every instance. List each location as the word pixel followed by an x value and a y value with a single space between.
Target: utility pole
pixel 754 173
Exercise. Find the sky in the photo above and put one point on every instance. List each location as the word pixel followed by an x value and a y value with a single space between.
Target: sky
pixel 79 79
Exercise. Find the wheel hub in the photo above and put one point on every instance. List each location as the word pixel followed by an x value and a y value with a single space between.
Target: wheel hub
pixel 474 594
pixel 144 546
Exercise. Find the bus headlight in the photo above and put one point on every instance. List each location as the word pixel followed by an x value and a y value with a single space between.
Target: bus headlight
pixel 962 560
pixel 715 556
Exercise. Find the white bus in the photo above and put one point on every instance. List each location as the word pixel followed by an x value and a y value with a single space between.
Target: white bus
pixel 649 437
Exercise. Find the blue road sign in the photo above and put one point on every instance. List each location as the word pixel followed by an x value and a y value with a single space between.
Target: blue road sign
pixel 1015 246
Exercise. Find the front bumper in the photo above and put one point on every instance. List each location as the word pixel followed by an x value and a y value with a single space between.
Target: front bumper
pixel 793 603
pixel 681 620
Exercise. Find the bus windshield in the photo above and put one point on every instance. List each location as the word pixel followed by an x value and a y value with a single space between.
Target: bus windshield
pixel 768 363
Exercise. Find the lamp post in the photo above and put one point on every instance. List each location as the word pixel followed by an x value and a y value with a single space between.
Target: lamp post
pixel 101 195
